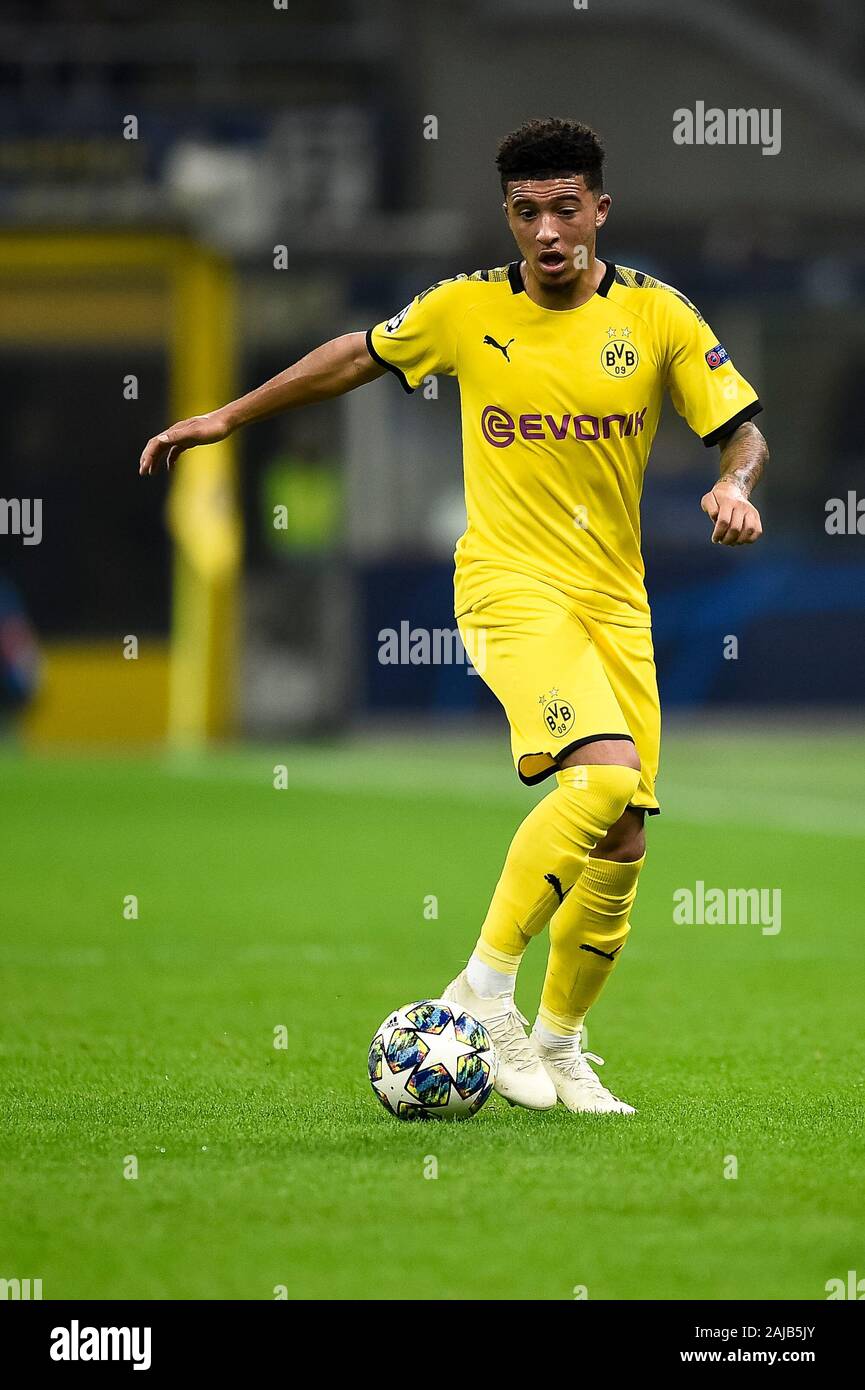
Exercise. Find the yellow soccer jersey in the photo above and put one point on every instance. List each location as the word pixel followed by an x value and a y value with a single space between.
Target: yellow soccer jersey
pixel 559 411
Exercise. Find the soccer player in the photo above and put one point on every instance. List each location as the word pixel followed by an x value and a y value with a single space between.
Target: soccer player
pixel 562 361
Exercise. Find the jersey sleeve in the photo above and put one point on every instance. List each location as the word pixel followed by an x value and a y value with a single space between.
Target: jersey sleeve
pixel 704 386
pixel 421 340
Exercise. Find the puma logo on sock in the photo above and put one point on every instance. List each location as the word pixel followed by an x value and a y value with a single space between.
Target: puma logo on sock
pixel 608 955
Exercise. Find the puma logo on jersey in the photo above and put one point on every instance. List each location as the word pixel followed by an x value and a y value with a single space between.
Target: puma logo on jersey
pixel 503 350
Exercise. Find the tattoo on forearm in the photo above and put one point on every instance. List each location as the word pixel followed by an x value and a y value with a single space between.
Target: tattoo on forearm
pixel 743 457
pixel 745 475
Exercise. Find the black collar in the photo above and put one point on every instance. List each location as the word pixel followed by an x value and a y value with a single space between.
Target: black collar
pixel 516 279
pixel 609 276
pixel 517 286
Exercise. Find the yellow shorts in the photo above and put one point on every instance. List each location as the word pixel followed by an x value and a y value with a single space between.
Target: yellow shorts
pixel 564 678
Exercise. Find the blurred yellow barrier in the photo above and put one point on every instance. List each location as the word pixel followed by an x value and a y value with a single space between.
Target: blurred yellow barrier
pixel 166 291
pixel 91 694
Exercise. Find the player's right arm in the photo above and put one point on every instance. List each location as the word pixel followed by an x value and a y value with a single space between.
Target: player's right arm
pixel 330 370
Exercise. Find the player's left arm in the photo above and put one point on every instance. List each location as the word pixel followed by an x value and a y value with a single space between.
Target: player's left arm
pixel 719 405
pixel 744 455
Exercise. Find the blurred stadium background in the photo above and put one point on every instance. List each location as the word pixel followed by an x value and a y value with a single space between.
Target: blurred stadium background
pixel 192 197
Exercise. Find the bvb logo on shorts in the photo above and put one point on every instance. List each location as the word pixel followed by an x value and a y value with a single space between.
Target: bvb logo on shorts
pixel 558 714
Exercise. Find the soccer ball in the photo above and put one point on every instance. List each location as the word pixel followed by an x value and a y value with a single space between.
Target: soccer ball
pixel 429 1060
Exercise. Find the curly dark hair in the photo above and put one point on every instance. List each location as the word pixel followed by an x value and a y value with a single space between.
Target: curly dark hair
pixel 543 149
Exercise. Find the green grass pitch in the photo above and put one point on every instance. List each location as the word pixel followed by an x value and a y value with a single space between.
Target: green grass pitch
pixel 304 907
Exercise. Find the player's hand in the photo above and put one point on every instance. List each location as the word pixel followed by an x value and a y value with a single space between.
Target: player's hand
pixel 166 448
pixel 737 521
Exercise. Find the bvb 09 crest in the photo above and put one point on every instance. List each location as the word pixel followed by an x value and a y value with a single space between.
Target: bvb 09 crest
pixel 558 714
pixel 619 356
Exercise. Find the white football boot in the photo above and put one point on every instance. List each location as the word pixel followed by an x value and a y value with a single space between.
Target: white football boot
pixel 577 1086
pixel 521 1077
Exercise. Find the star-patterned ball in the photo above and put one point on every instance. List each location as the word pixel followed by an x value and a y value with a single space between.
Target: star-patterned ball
pixel 431 1060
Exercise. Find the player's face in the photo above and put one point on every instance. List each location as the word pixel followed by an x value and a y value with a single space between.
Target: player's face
pixel 555 223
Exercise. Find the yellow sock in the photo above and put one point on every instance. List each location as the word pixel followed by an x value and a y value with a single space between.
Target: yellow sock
pixel 548 854
pixel 587 935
